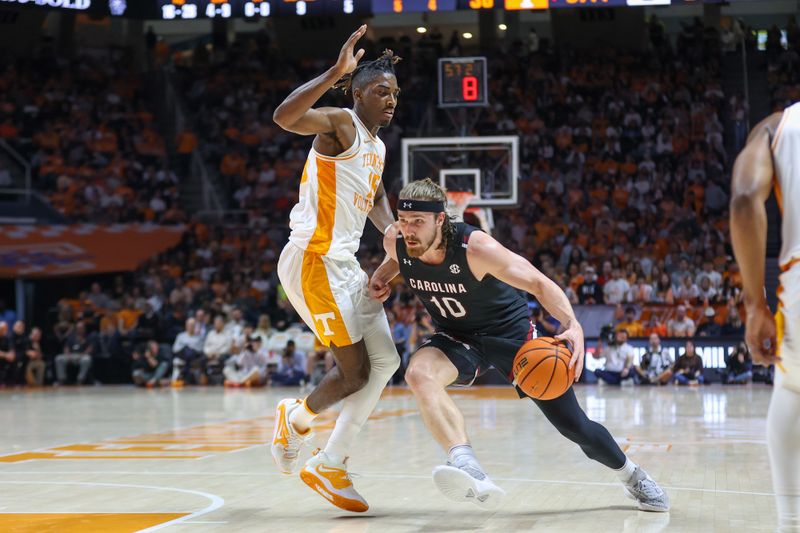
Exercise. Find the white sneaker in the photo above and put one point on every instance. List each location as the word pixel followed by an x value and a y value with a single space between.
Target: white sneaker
pixel 331 480
pixel 468 484
pixel 286 441
pixel 646 493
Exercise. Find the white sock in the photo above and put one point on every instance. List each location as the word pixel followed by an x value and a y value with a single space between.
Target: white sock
pixel 341 440
pixel 460 454
pixel 302 416
pixel 626 472
pixel 783 443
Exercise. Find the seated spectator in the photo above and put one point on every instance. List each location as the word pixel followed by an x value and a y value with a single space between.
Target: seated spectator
pixel 733 326
pixel 739 366
pixel 656 365
pixel 654 325
pixel 7 356
pixel 149 324
pixel 708 327
pixel 216 349
pixel 616 290
pixel 590 292
pixel 236 324
pixel 34 371
pixel 291 370
pixel 687 291
pixel 619 359
pixel 264 329
pixel 707 291
pixel 641 292
pixel 107 353
pixel 688 369
pixel 19 344
pixel 631 324
pixel 187 355
pixel 321 361
pixel 77 351
pixel 663 290
pixel 682 325
pixel 149 365
pixel 248 368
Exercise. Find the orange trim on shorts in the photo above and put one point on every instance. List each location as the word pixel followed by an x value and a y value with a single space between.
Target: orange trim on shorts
pixel 320 241
pixel 328 321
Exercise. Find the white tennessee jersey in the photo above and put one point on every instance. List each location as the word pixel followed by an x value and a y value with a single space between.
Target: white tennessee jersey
pixel 786 158
pixel 336 194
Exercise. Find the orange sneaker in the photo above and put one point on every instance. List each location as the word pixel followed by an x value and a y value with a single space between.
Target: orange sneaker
pixel 331 480
pixel 286 441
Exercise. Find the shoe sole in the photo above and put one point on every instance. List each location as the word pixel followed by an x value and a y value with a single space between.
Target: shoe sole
pixel 643 506
pixel 277 450
pixel 459 486
pixel 319 487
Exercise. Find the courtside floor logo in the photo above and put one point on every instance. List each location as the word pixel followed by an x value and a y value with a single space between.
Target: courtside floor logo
pixel 194 442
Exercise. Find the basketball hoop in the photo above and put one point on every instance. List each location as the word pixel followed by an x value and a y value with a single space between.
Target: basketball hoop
pixel 458 204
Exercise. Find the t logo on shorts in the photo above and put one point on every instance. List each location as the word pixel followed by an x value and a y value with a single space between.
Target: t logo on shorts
pixel 324 318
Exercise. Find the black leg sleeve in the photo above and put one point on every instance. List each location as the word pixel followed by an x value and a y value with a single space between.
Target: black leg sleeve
pixel 569 419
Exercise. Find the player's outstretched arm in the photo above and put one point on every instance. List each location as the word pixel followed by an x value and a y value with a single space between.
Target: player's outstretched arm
pixel 486 256
pixel 295 114
pixel 381 213
pixel 379 282
pixel 750 187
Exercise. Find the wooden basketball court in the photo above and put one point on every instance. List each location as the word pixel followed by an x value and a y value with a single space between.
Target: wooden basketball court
pixel 197 460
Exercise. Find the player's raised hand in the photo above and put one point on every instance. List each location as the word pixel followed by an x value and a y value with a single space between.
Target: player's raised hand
pixel 761 335
pixel 379 289
pixel 574 336
pixel 347 60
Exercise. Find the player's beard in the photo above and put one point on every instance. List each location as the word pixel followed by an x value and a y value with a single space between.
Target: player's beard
pixel 422 246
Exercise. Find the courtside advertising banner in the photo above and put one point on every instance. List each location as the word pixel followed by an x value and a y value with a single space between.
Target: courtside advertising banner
pixel 52 251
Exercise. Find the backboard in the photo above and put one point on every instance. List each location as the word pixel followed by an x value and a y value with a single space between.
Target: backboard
pixel 488 167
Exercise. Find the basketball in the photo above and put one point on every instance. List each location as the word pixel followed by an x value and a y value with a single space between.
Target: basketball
pixel 541 368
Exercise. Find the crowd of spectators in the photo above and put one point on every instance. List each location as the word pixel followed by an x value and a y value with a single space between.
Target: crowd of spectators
pixel 90 135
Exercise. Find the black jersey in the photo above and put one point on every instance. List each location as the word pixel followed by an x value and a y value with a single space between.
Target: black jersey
pixel 459 302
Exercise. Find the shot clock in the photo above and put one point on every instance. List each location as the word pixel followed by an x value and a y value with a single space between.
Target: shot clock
pixel 463 82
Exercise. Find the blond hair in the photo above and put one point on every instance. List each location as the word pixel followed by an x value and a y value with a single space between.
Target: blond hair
pixel 427 190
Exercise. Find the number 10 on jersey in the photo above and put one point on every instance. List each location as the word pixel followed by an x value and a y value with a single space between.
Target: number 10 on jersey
pixel 449 307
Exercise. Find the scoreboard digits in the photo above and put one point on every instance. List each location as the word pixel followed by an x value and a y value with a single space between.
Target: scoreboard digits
pixel 193 9
pixel 257 9
pixel 463 82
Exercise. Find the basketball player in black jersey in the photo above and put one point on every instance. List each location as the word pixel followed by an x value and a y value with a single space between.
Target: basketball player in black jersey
pixel 470 284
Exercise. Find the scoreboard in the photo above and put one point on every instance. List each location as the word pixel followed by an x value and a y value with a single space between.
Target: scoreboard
pixel 210 9
pixel 463 82
pixel 192 9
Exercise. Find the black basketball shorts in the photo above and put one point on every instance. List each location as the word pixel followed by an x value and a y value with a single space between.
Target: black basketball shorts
pixel 474 355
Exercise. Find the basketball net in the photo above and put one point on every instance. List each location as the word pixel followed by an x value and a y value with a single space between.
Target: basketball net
pixel 457 205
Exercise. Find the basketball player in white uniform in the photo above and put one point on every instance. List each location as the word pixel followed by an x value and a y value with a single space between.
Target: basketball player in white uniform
pixel 771 159
pixel 340 187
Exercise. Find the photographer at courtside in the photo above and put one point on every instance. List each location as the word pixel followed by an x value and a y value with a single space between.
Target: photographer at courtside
pixel 618 354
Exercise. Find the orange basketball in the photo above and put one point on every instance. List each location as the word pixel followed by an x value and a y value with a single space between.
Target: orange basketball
pixel 541 368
